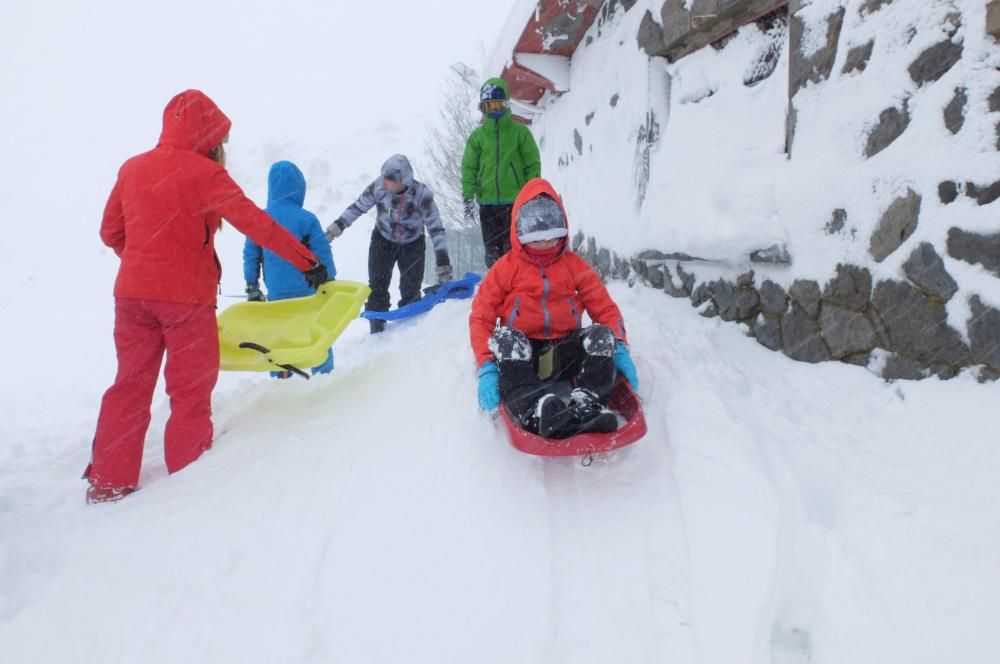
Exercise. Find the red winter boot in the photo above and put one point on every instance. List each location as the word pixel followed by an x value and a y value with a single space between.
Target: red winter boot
pixel 96 494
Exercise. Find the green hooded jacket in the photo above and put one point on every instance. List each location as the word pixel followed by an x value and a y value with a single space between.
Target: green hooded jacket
pixel 500 156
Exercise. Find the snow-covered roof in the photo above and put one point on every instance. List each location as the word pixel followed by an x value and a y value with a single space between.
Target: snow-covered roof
pixel 536 59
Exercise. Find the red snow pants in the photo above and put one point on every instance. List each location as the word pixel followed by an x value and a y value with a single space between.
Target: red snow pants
pixel 144 329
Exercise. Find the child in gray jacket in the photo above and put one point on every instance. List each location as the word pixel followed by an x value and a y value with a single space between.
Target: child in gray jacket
pixel 405 207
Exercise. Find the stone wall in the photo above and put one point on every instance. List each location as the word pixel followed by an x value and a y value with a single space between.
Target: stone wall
pixel 681 30
pixel 846 318
pixel 899 326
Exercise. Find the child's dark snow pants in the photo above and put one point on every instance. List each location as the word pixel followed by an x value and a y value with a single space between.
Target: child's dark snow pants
pixel 494 221
pixel 383 255
pixel 584 359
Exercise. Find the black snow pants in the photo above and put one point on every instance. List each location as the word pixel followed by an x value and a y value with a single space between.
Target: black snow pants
pixel 383 255
pixel 495 223
pixel 584 358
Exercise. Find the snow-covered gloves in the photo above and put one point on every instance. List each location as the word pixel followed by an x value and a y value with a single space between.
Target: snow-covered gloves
pixel 489 386
pixel 625 365
pixel 254 294
pixel 316 276
pixel 335 230
pixel 444 273
pixel 469 206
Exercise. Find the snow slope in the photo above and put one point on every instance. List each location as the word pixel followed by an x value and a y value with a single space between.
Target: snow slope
pixel 775 512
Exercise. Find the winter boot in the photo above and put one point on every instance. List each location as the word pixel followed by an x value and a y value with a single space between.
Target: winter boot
pixel 510 345
pixel 589 414
pixel 584 403
pixel 604 422
pixel 551 417
pixel 376 326
pixel 96 494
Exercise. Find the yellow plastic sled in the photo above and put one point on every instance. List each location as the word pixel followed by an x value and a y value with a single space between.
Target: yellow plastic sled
pixel 290 334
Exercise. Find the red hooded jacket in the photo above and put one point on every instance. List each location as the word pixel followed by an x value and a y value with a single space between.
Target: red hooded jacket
pixel 165 207
pixel 543 301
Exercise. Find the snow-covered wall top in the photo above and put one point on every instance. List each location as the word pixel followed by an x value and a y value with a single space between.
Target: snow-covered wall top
pixel 845 151
pixel 657 148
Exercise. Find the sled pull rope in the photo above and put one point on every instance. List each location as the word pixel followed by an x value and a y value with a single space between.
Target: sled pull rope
pixel 261 349
pixel 587 460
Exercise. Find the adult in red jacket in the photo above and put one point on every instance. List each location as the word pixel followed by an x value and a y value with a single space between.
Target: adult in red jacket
pixel 161 220
pixel 554 374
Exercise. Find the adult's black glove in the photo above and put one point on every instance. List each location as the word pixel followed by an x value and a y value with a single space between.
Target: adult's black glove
pixel 316 276
pixel 254 294
pixel 469 208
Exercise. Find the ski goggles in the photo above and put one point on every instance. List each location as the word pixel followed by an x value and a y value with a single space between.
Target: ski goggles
pixel 493 106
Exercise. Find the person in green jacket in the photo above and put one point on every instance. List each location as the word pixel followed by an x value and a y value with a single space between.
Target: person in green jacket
pixel 500 156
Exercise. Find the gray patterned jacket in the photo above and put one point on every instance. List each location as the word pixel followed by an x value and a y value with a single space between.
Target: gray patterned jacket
pixel 401 218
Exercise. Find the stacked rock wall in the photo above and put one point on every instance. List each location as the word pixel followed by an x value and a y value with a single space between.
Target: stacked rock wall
pixel 892 138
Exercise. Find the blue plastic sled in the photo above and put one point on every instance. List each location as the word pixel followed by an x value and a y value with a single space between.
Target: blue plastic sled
pixel 459 289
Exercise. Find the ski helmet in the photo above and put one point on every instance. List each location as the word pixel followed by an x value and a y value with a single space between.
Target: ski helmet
pixel 493 101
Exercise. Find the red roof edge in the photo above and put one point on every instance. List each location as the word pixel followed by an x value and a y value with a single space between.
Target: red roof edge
pixel 556 28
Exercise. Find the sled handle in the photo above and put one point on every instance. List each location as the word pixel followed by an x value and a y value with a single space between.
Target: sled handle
pixel 261 349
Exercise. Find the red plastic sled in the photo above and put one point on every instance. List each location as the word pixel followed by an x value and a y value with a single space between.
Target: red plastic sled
pixel 623 400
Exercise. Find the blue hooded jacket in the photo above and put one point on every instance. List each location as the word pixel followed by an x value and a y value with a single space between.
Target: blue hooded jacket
pixel 286 192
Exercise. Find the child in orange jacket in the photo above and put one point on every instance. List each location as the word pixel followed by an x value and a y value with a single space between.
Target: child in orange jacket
pixel 539 292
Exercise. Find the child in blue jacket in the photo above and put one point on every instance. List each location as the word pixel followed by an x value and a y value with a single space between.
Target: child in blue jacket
pixel 286 192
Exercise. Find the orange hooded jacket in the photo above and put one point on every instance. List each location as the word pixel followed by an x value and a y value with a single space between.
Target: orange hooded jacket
pixel 543 301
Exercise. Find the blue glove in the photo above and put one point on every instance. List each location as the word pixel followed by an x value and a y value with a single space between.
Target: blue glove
pixel 489 386
pixel 625 365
